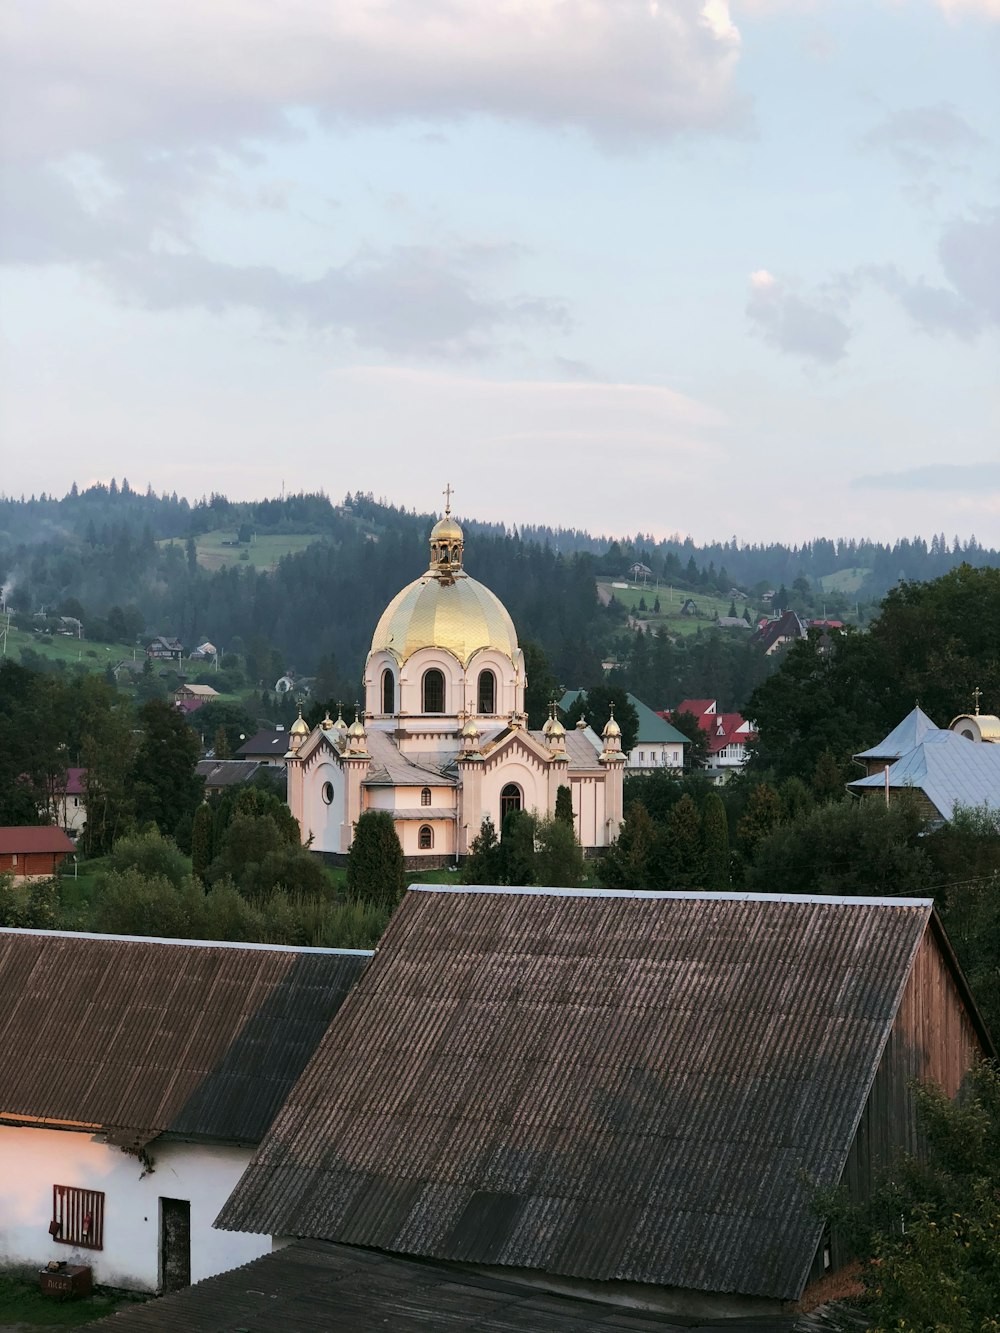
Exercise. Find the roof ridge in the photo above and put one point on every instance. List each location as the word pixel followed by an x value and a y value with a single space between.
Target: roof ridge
pixel 704 895
pixel 163 939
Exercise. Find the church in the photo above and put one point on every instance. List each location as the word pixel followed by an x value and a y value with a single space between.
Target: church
pixel 443 742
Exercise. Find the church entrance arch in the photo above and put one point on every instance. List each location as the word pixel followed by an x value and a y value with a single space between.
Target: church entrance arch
pixel 510 801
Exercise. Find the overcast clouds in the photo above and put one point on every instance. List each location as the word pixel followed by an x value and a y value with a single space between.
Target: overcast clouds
pixel 656 264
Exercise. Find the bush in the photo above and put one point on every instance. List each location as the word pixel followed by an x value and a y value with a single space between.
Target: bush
pixel 29 904
pixel 152 855
pixel 129 903
pixel 375 868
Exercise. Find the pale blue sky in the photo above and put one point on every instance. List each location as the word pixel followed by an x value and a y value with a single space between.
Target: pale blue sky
pixel 621 264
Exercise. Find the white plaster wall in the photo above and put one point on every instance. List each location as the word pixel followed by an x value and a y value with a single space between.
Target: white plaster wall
pixel 323 821
pixel 33 1160
pixel 530 777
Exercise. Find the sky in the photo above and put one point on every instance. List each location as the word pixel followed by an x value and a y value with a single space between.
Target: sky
pixel 670 266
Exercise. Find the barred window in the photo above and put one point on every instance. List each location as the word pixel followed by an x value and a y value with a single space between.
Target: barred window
pixel 77 1217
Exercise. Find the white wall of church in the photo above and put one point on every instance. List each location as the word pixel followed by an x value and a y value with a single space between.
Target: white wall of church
pixel 532 780
pixel 33 1160
pixel 323 819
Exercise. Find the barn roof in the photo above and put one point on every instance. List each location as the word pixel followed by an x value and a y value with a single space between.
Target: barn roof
pixel 905 736
pixel 139 1037
pixel 949 769
pixel 29 838
pixel 609 1086
pixel 313 1287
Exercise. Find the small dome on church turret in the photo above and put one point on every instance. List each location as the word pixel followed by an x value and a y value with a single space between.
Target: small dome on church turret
pixel 300 727
pixel 556 729
pixel 611 727
pixel 470 729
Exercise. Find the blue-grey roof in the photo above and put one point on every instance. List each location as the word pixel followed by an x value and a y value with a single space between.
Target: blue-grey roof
pixel 948 769
pixel 902 739
pixel 653 729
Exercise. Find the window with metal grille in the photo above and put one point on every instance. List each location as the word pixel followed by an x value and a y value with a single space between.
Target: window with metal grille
pixel 425 796
pixel 426 838
pixel 77 1217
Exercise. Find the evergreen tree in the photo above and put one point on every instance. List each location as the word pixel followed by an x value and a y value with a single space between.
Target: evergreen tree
pixel 715 842
pixel 683 850
pixel 483 864
pixel 165 784
pixel 517 848
pixel 630 860
pixel 201 840
pixel 220 743
pixel 558 859
pixel 376 872
pixel 564 804
pixel 762 814
pixel 828 779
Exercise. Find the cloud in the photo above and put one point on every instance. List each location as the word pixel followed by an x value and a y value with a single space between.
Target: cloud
pixel 808 326
pixel 922 137
pixel 935 477
pixel 986 8
pixel 169 74
pixel 970 256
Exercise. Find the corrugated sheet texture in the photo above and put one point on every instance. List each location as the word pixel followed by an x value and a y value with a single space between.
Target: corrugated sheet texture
pixel 317 1288
pixel 142 1037
pixel 606 1087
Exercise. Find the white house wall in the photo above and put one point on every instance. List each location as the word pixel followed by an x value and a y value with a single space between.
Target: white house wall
pixel 33 1160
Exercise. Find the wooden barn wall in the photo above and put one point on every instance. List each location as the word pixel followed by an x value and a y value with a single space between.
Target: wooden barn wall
pixel 932 1040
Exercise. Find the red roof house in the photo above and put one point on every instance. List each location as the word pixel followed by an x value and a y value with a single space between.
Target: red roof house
pixel 35 850
pixel 728 735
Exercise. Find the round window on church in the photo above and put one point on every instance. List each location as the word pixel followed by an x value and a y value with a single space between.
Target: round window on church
pixel 327 792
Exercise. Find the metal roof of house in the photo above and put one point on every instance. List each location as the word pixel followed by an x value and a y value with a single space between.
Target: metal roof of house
pixel 25 839
pixel 270 741
pixel 142 1037
pixel 609 1086
pixel 226 772
pixel 904 737
pixel 653 729
pixel 949 769
pixel 314 1287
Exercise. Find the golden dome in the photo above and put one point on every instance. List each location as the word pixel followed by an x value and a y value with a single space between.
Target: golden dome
pixel 460 615
pixel 447 530
pixel 556 728
pixel 611 727
pixel 300 727
pixel 987 725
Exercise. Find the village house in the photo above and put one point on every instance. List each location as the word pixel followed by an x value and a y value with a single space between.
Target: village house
pixel 220 774
pixel 658 745
pixel 727 736
pixel 267 746
pixel 33 851
pixel 189 698
pixel 71 801
pixel 773 633
pixel 623 1096
pixel 164 649
pixel 136 1077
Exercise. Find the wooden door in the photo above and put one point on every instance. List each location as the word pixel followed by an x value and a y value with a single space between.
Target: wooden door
pixel 175 1244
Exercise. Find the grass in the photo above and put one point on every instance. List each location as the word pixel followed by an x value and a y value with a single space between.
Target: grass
pixel 59 648
pixel 22 1303
pixel 262 553
pixel 844 580
pixel 671 600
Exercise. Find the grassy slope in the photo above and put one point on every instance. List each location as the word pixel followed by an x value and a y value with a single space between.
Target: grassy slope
pixel 844 580
pixel 94 656
pixel 263 553
pixel 671 601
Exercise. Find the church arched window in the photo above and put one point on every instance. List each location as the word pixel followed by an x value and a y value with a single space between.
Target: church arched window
pixel 388 691
pixel 510 800
pixel 425 796
pixel 426 840
pixel 433 691
pixel 487 692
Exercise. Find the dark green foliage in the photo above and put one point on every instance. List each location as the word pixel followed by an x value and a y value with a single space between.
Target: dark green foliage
pixel 714 843
pixel 29 904
pixel 596 706
pixel 375 867
pixel 517 848
pixel 541 684
pixel 219 718
pixel 202 841
pixel 166 786
pixel 761 814
pixel 932 1232
pixel 631 860
pixel 558 857
pixel 829 778
pixel 564 804
pixel 683 857
pixel 152 855
pixel 844 847
pixel 483 864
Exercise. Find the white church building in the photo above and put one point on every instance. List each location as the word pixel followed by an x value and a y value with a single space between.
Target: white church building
pixel 444 742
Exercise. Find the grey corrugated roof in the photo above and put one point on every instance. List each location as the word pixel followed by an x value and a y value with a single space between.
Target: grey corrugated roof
pixel 391 768
pixel 226 772
pixel 605 1086
pixel 312 1287
pixel 949 769
pixel 903 738
pixel 143 1037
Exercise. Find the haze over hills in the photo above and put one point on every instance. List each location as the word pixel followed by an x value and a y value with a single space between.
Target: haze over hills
pixel 310 577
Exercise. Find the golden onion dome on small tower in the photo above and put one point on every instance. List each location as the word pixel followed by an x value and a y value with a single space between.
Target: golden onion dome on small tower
pixel 611 727
pixel 300 727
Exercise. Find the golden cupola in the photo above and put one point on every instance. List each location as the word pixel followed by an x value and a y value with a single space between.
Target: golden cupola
pixel 445 608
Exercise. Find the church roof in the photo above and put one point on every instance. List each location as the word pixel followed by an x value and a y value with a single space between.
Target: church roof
pixel 391 768
pixel 909 733
pixel 458 614
pixel 948 769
